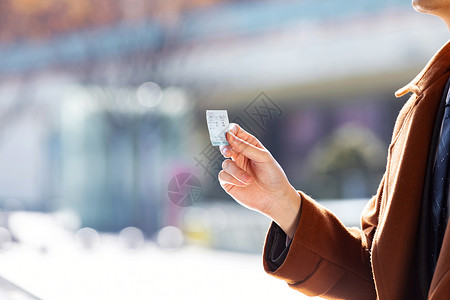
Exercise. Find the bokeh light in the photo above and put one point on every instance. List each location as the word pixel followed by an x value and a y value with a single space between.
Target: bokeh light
pixel 149 94
pixel 170 238
pixel 87 239
pixel 131 238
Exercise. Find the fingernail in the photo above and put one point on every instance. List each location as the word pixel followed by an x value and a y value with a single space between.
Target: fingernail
pixel 233 129
pixel 225 151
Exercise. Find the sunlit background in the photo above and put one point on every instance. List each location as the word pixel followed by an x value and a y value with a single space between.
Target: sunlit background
pixel 108 180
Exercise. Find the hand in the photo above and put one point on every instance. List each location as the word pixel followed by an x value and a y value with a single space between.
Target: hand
pixel 256 180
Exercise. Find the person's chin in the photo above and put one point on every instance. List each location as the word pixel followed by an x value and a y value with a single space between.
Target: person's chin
pixel 426 6
pixel 418 5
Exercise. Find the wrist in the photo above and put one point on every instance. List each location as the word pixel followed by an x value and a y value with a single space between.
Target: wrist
pixel 286 211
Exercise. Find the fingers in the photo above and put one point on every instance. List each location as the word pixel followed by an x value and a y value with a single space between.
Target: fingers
pixel 232 171
pixel 244 135
pixel 227 152
pixel 253 152
pixel 242 142
pixel 225 178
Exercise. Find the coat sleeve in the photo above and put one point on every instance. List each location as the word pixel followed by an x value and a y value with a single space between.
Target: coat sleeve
pixel 325 258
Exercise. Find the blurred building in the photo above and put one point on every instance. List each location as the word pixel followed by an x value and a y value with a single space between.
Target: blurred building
pixel 75 133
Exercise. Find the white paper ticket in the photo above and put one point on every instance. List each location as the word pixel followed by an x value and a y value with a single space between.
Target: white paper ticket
pixel 217 121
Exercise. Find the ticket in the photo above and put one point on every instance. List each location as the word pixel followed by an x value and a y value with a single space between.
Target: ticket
pixel 217 121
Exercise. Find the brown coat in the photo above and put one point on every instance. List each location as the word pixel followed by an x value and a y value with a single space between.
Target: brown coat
pixel 330 260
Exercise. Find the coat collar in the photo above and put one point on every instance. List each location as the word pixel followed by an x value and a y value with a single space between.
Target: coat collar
pixel 436 67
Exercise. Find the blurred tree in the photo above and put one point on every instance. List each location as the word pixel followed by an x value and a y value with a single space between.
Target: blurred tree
pixel 347 164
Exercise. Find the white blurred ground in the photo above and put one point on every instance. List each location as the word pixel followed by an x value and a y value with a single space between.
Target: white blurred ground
pixel 111 273
pixel 54 263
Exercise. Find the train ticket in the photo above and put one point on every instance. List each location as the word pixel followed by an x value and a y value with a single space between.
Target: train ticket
pixel 217 121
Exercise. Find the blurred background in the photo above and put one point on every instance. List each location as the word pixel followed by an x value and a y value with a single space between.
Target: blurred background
pixel 109 187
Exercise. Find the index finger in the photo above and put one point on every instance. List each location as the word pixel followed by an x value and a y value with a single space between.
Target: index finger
pixel 243 135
